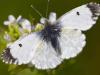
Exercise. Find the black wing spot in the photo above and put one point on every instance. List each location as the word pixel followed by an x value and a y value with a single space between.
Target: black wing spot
pixel 20 45
pixel 78 13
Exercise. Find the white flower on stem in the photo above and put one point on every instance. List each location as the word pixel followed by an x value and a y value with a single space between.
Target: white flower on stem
pixel 25 24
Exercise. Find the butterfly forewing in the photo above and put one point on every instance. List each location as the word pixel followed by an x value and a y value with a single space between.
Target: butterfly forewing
pixel 82 18
pixel 23 49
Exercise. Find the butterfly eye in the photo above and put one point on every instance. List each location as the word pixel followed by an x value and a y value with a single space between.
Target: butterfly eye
pixel 78 13
pixel 20 45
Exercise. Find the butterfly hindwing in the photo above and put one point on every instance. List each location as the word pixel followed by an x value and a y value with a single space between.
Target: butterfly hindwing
pixel 82 18
pixel 71 42
pixel 45 56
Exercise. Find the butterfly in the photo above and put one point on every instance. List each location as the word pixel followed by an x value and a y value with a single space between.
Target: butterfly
pixel 60 39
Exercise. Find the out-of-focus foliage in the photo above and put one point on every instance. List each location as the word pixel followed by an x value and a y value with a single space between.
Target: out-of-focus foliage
pixel 86 63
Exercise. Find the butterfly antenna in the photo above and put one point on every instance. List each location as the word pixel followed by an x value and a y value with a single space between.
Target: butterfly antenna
pixel 36 11
pixel 47 8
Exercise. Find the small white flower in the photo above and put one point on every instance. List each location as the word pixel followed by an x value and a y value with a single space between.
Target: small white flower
pixel 7 37
pixel 25 24
pixel 11 20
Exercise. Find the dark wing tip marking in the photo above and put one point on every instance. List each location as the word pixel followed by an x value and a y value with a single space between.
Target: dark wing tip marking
pixel 95 9
pixel 7 57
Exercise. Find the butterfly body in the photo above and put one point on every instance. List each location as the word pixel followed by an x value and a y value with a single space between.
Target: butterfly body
pixel 59 39
pixel 51 33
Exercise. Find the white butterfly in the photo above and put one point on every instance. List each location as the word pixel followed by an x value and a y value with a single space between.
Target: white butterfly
pixel 60 39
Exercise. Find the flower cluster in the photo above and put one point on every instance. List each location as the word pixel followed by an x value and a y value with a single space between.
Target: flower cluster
pixel 17 28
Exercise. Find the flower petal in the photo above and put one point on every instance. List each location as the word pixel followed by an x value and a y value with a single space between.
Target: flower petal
pixel 11 18
pixel 19 19
pixel 26 25
pixel 6 22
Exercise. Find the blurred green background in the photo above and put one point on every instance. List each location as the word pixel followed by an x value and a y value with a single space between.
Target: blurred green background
pixel 86 63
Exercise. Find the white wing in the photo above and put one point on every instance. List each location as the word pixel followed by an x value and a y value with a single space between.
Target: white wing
pixel 34 50
pixel 46 57
pixel 81 18
pixel 21 51
pixel 71 42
